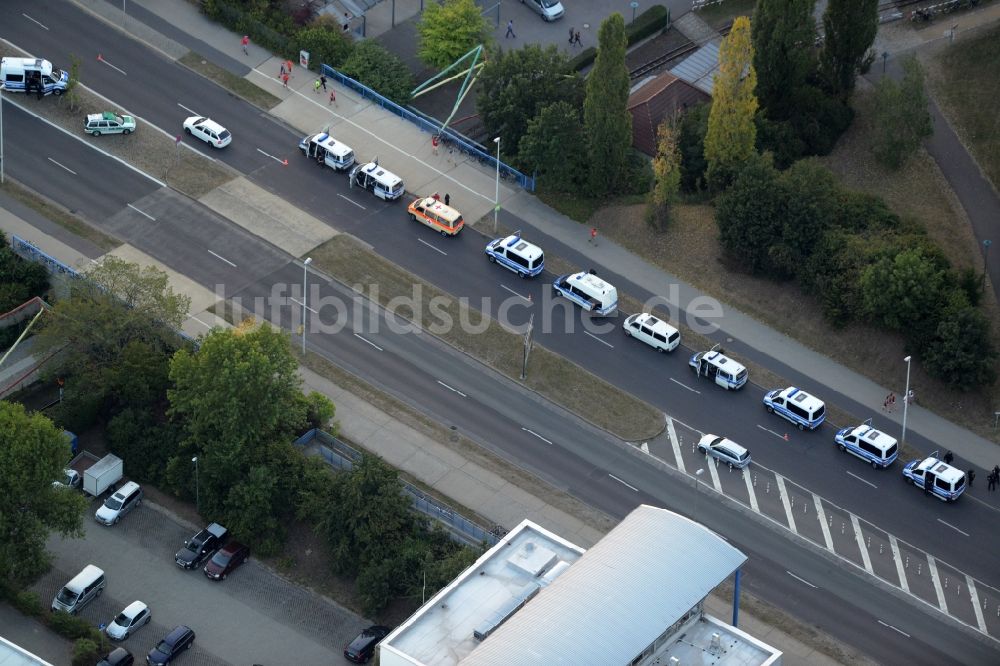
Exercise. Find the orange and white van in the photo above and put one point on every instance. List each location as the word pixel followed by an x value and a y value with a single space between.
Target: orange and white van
pixel 435 214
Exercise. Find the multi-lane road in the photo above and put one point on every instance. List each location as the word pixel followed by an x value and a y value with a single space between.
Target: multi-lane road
pixel 182 235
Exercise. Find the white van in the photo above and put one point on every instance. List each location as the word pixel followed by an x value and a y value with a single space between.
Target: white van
pixel 516 254
pixel 656 333
pixel 20 74
pixel 718 367
pixel 382 183
pixel 936 477
pixel 797 406
pixel 84 588
pixel 326 150
pixel 869 444
pixel 588 291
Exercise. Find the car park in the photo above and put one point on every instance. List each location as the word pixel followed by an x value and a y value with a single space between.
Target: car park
pixel 108 123
pixel 655 332
pixel 208 131
pixel 936 477
pixel 725 450
pixel 362 648
pixel 201 546
pixel 797 406
pixel 135 616
pixel 179 639
pixel 871 445
pixel 516 254
pixel 225 561
pixel 549 10
pixel 117 657
pixel 721 369
pixel 120 503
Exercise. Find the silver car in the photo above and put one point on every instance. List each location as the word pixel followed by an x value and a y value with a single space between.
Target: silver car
pixel 549 10
pixel 135 615
pixel 725 450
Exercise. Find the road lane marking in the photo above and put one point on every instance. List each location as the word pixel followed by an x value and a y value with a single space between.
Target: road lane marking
pixel 778 435
pixel 532 432
pixel 41 25
pixel 780 481
pixel 222 258
pixel 974 600
pixel 900 570
pixel 143 213
pixel 751 491
pixel 63 166
pixel 503 286
pixel 675 444
pixel 821 517
pixel 894 628
pixel 432 247
pixel 801 580
pixel 599 340
pixel 713 471
pixel 298 302
pixel 117 69
pixel 623 483
pixel 191 111
pixel 368 341
pixel 953 527
pixel 276 159
pixel 861 544
pixel 685 386
pixel 455 390
pixel 862 480
pixel 936 577
pixel 350 200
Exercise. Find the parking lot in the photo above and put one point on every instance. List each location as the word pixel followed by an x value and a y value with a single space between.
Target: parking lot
pixel 253 617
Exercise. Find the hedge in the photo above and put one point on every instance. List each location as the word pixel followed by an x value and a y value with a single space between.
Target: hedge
pixel 652 20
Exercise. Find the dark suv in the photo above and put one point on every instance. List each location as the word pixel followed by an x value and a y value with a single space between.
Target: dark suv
pixel 174 643
pixel 362 648
pixel 201 546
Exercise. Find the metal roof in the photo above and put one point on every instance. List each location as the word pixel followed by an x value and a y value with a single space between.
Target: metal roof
pixel 699 68
pixel 14 655
pixel 619 597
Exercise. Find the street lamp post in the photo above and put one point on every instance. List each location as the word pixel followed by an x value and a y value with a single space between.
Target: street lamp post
pixel 305 299
pixel 496 200
pixel 197 492
pixel 906 398
pixel 1 132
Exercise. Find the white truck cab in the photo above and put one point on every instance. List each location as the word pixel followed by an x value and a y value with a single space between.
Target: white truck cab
pixel 326 150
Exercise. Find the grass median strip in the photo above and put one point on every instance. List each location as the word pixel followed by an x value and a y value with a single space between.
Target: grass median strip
pixel 236 84
pixel 60 216
pixel 483 338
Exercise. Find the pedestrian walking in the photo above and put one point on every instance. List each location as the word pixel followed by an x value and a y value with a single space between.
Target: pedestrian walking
pixel 281 71
pixel 948 457
pixel 447 199
pixel 885 404
pixel 284 79
pixel 510 30
pixel 892 401
pixel 316 86
pixel 245 42
pixel 972 476
pixel 996 473
pixel 434 143
pixel 322 80
pixel 288 67
pixel 436 196
pixel 576 39
pixel 910 397
pixel 571 36
pixel 593 235
pixel 333 98
pixel 991 481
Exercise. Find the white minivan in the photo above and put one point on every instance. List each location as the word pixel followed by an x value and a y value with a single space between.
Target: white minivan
pixel 656 333
pixel 84 588
pixel 124 500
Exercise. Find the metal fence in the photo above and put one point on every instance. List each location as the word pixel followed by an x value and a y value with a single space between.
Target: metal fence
pixel 450 139
pixel 341 456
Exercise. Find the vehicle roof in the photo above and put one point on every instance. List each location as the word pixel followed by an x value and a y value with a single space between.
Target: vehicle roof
pixel 125 489
pixel 593 283
pixel 654 323
pixel 231 547
pixel 804 400
pixel 720 360
pixel 135 608
pixel 527 250
pixel 439 208
pixel 718 440
pixel 207 123
pixel 216 529
pixel 380 173
pixel 941 469
pixel 332 145
pixel 89 571
pixel 177 633
pixel 873 436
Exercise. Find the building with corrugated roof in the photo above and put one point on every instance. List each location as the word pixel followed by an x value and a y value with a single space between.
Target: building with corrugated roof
pixel 656 99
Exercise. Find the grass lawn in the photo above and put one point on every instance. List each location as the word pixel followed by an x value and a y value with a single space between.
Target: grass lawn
pixel 237 84
pixel 965 80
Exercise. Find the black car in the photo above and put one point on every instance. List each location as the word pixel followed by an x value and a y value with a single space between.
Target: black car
pixel 117 657
pixel 362 648
pixel 201 546
pixel 174 643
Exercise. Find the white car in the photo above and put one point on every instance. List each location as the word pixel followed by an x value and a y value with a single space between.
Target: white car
pixel 725 450
pixel 656 333
pixel 549 10
pixel 208 131
pixel 135 615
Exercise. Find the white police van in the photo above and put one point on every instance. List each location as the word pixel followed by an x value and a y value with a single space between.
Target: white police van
pixel 718 367
pixel 936 477
pixel 516 254
pixel 797 406
pixel 656 333
pixel 326 150
pixel 30 74
pixel 379 181
pixel 871 445
pixel 588 291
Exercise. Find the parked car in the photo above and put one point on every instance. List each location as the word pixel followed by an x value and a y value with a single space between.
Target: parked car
pixel 108 123
pixel 656 333
pixel 173 644
pixel 208 131
pixel 226 560
pixel 725 450
pixel 201 546
pixel 362 648
pixel 124 500
pixel 130 620
pixel 117 657
pixel 549 10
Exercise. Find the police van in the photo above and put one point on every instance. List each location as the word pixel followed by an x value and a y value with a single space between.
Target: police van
pixel 30 74
pixel 718 367
pixel 936 477
pixel 379 181
pixel 440 217
pixel 516 254
pixel 326 150
pixel 797 406
pixel 871 445
pixel 588 291
pixel 656 333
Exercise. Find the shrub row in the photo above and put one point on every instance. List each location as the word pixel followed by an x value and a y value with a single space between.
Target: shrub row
pixel 89 642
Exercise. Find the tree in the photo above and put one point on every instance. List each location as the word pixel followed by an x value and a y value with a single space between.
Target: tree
pixel 732 134
pixel 667 171
pixel 692 129
pixel 450 29
pixel 607 122
pixel 901 117
pixel 71 95
pixel 544 147
pixel 749 215
pixel 33 452
pixel 809 208
pixel 380 70
pixel 20 280
pixel 849 28
pixel 516 85
pixel 783 32
pixel 904 292
pixel 325 44
pixel 962 351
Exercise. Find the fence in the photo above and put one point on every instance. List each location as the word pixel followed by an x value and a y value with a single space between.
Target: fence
pixel 449 137
pixel 341 456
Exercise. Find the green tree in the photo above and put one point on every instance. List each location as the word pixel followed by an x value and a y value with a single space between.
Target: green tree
pixel 961 352
pixel 325 45
pixel 71 95
pixel 667 174
pixel 380 70
pixel 783 33
pixel 20 280
pixel 33 452
pixel 849 28
pixel 749 215
pixel 547 147
pixel 607 122
pixel 692 129
pixel 731 135
pixel 901 117
pixel 450 29
pixel 904 292
pixel 516 85
pixel 810 194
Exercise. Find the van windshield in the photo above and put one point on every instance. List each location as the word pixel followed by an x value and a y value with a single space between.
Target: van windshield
pixel 113 503
pixel 67 596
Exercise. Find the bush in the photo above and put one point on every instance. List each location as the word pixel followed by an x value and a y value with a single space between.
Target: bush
pixel 749 217
pixel 72 627
pixel 28 603
pixel 645 24
pixel 85 652
pixel 691 142
pixel 961 351
pixel 583 59
pixel 639 176
pixel 326 46
pixel 901 292
pixel 380 70
pixel 146 445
